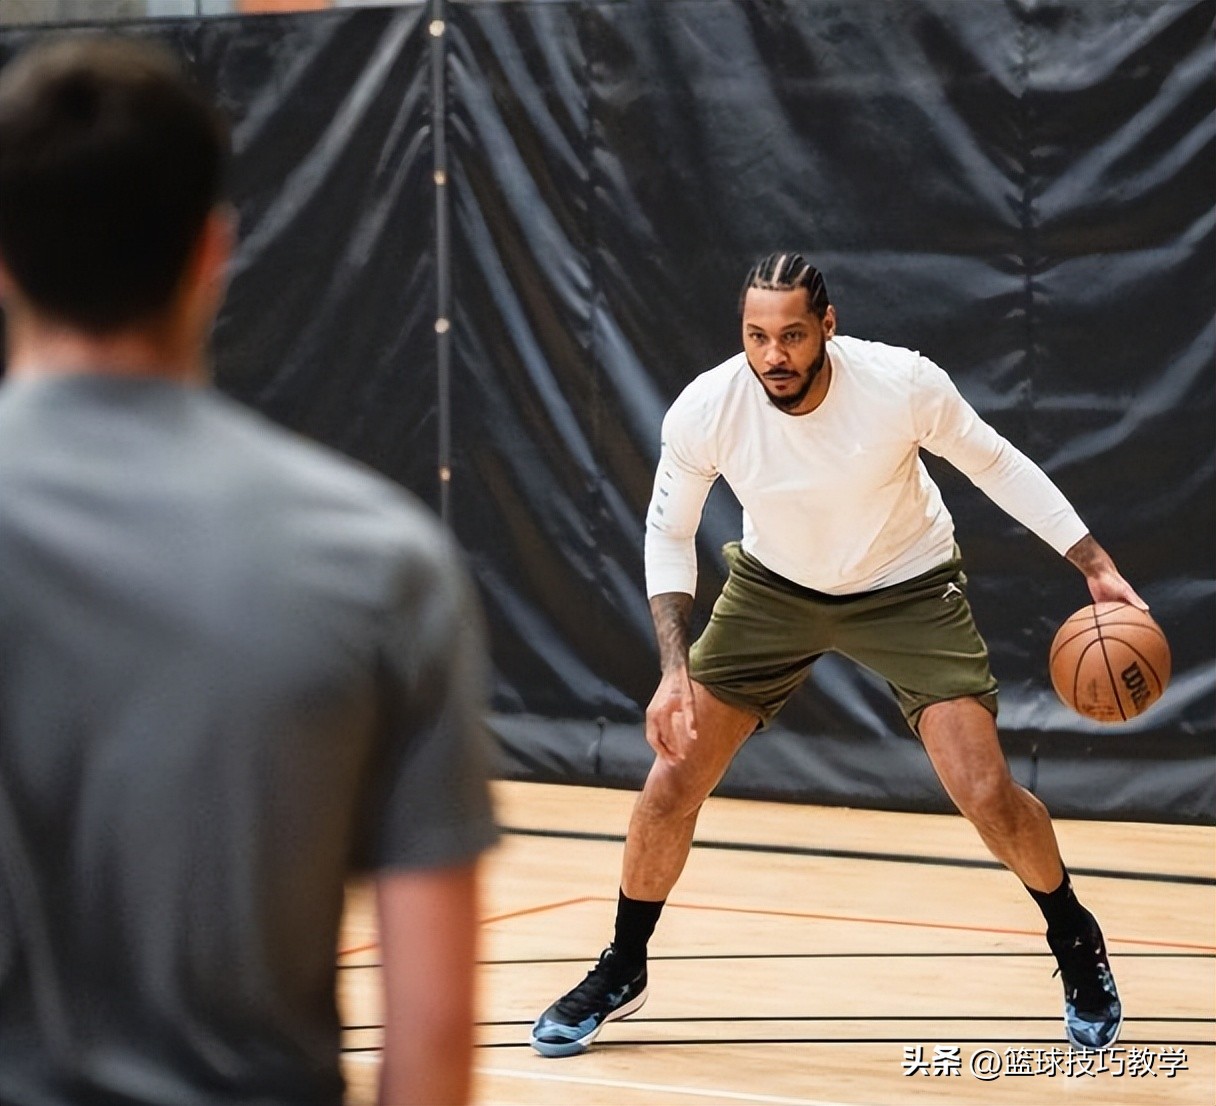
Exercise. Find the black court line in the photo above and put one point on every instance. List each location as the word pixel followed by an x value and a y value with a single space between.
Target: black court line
pixel 1052 1018
pixel 832 956
pixel 851 854
pixel 600 1043
pixel 807 956
pixel 752 1018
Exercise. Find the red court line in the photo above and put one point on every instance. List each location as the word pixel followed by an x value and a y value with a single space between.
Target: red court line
pixel 498 918
pixel 542 908
pixel 956 926
pixel 359 948
pixel 910 922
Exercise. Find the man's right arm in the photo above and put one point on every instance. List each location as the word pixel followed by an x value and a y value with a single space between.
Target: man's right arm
pixel 671 612
pixel 671 718
pixel 681 486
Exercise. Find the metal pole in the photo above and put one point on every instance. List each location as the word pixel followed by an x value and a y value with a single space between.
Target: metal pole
pixel 443 266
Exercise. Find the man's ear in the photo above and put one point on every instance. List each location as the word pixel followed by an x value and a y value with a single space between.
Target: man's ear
pixel 829 322
pixel 204 281
pixel 216 241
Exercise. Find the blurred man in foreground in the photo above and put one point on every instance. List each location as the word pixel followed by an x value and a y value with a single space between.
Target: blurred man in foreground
pixel 234 668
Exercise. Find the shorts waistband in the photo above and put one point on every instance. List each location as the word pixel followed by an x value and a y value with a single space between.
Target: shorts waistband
pixel 734 552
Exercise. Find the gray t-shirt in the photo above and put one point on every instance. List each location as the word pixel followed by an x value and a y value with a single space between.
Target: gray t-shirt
pixel 234 669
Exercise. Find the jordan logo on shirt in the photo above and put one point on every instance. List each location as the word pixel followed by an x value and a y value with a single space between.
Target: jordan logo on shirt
pixel 953 591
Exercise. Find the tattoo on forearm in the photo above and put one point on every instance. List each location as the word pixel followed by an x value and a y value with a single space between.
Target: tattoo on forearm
pixel 1087 555
pixel 671 612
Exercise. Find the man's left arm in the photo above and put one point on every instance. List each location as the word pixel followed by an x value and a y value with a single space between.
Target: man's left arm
pixel 1104 580
pixel 428 819
pixel 428 935
pixel 946 424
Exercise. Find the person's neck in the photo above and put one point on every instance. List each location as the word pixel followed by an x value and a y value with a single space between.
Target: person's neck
pixel 41 349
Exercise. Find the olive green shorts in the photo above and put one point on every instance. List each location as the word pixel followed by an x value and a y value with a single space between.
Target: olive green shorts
pixel 766 632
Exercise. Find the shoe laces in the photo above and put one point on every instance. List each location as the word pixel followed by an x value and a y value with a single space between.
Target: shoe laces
pixel 1088 983
pixel 595 988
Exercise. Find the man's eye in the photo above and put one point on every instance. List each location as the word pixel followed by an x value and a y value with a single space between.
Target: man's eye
pixel 794 336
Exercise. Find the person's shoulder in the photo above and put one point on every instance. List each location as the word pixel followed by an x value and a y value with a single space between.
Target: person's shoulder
pixel 880 357
pixel 725 377
pixel 706 391
pixel 283 463
pixel 880 369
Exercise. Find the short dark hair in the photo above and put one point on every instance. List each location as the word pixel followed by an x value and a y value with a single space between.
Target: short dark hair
pixel 785 271
pixel 110 161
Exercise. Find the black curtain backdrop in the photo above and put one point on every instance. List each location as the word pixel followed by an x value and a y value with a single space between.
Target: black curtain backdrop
pixel 329 323
pixel 1024 191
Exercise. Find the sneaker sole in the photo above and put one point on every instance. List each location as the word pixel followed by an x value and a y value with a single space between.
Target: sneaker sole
pixel 555 1049
pixel 1092 1048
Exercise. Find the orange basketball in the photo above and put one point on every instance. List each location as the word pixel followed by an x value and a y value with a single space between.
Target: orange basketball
pixel 1110 662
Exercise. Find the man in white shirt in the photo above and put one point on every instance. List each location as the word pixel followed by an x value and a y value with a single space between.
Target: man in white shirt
pixel 847 547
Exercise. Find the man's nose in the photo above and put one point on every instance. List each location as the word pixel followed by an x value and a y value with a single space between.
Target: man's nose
pixel 774 355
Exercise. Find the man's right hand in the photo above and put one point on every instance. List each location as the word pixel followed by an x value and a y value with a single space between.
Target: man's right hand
pixel 671 717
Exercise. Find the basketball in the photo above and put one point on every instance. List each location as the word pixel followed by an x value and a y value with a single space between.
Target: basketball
pixel 1110 662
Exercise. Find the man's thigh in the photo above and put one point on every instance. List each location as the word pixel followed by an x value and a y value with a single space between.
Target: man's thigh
pixel 761 639
pixel 920 636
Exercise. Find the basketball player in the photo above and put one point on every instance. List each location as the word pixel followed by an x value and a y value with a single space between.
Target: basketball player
pixel 846 547
pixel 235 667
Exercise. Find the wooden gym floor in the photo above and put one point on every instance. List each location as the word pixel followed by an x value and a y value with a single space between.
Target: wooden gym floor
pixel 826 957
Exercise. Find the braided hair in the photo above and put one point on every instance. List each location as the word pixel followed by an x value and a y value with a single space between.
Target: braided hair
pixel 783 272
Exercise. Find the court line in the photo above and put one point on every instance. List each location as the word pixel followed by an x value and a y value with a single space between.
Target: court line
pixel 359 948
pixel 539 909
pixel 943 954
pixel 909 922
pixel 650 1042
pixel 1204 952
pixel 663 1088
pixel 836 1018
pixel 711 956
pixel 852 854
pixel 768 912
pixel 484 921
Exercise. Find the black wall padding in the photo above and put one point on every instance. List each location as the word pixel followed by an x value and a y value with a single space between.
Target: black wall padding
pixel 329 324
pixel 1024 191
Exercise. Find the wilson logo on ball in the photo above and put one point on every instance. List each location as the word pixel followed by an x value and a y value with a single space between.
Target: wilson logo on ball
pixel 1137 686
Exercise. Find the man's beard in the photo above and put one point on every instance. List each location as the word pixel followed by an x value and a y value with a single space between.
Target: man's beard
pixel 788 403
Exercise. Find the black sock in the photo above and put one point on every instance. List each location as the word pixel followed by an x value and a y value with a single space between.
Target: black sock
pixel 1063 913
pixel 635 922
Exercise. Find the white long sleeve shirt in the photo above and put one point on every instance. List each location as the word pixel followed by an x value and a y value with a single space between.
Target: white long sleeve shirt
pixel 837 500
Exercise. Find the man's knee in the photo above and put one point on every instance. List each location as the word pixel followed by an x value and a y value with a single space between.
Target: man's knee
pixel 991 801
pixel 981 796
pixel 960 737
pixel 673 791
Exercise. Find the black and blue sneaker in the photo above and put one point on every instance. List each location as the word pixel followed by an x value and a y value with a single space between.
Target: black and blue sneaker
pixel 1093 1014
pixel 610 991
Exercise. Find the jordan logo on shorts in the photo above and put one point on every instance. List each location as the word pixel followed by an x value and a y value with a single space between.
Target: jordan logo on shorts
pixel 952 591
